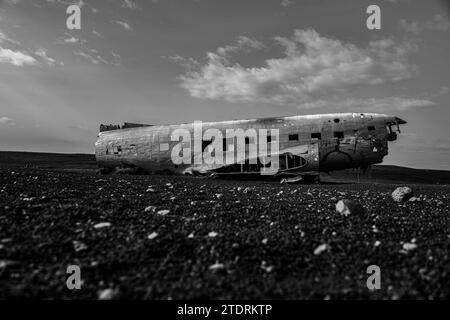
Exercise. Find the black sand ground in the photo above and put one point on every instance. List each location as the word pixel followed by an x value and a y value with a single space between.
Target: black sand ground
pixel 265 238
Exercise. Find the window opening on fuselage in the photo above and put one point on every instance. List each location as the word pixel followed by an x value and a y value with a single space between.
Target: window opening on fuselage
pixel 339 134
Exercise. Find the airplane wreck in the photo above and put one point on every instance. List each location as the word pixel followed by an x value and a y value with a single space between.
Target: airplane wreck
pixel 301 146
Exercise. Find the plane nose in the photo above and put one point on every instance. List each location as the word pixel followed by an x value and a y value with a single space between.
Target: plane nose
pixel 400 121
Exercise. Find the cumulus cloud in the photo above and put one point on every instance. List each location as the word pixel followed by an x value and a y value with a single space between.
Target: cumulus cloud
pixel 95 58
pixel 287 3
pixel 42 53
pixel 129 4
pixel 73 40
pixel 313 67
pixel 5 38
pixel 96 33
pixel 374 104
pixel 6 121
pixel 16 58
pixel 124 24
pixel 242 44
pixel 438 23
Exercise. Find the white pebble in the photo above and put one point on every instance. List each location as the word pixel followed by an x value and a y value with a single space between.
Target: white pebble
pixel 320 249
pixel 152 235
pixel 102 225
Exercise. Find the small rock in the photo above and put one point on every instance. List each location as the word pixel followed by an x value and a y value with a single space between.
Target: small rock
pixel 152 235
pixel 107 294
pixel 7 263
pixel 79 246
pixel 264 241
pixel 163 212
pixel 102 225
pixel 191 235
pixel 377 243
pixel 150 209
pixel 414 199
pixel 409 246
pixel 320 249
pixel 349 207
pixel 402 194
pixel 216 266
pixel 213 234
pixel 150 189
pixel 265 267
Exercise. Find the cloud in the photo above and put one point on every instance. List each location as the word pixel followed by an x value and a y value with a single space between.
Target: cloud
pixel 73 40
pixel 313 67
pixel 4 37
pixel 438 23
pixel 287 3
pixel 387 104
pixel 16 58
pixel 116 55
pixel 6 121
pixel 124 24
pixel 13 2
pixel 42 53
pixel 129 4
pixel 95 58
pixel 243 44
pixel 96 33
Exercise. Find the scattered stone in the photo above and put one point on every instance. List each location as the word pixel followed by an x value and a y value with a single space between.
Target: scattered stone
pixel 79 246
pixel 409 246
pixel 150 209
pixel 377 243
pixel 348 207
pixel 191 235
pixel 402 194
pixel 163 212
pixel 216 266
pixel 414 199
pixel 152 235
pixel 150 189
pixel 6 263
pixel 107 294
pixel 264 241
pixel 213 234
pixel 102 225
pixel 265 267
pixel 320 249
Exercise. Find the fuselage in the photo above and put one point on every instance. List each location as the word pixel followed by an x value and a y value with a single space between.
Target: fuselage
pixel 304 144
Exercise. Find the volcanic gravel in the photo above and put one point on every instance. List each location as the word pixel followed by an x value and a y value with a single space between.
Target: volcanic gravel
pixel 176 237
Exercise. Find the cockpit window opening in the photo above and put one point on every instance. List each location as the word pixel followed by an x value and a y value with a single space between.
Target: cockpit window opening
pixel 316 135
pixel 293 137
pixel 371 128
pixel 339 134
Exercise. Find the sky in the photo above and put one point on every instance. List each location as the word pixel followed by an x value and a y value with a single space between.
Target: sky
pixel 174 61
